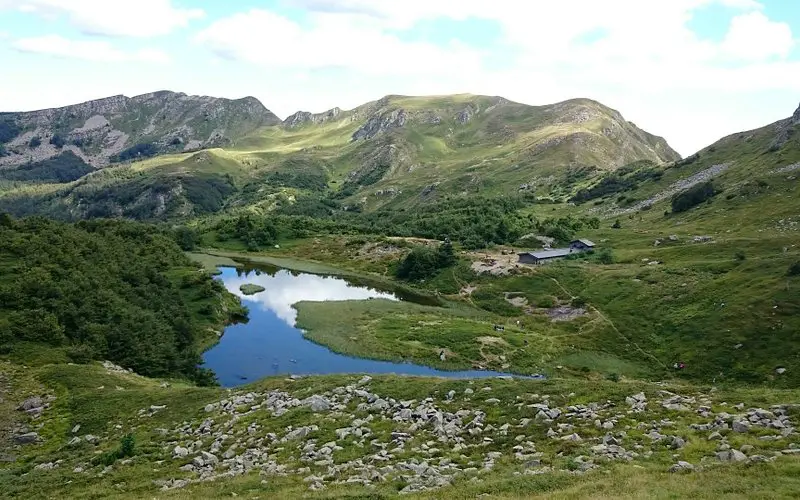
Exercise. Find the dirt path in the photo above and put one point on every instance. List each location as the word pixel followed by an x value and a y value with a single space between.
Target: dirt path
pixel 611 323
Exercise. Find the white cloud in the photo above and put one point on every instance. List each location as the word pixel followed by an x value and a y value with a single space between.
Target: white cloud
pixel 332 41
pixel 640 57
pixel 753 36
pixel 88 50
pixel 283 290
pixel 141 18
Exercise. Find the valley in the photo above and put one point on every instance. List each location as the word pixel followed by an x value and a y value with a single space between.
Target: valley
pixel 668 354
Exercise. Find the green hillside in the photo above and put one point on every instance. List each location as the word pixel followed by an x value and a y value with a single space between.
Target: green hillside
pixel 670 350
pixel 396 151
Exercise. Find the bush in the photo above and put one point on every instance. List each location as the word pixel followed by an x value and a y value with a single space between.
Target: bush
pixel 616 224
pixel 545 302
pixel 605 256
pixel 127 448
pixel 578 302
pixel 81 354
pixel 186 238
pixel 420 264
pixel 57 141
pixel 35 142
pixel 794 269
pixel 693 196
pixel 614 377
pixel 143 150
pixel 739 255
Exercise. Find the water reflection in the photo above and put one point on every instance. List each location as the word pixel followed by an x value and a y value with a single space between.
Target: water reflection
pixel 284 288
pixel 269 344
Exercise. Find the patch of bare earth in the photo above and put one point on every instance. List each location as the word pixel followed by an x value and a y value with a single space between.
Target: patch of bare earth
pixel 565 313
pixel 516 300
pixel 495 263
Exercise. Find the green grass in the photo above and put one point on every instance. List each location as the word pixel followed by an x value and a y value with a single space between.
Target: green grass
pixel 108 405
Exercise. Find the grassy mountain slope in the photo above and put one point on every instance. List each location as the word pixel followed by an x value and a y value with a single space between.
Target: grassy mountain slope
pixel 713 285
pixel 396 151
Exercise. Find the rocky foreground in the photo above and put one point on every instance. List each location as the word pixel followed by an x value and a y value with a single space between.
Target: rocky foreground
pixel 366 433
pixel 353 435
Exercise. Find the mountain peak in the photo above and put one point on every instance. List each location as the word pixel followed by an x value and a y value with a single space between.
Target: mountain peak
pixel 118 128
pixel 796 116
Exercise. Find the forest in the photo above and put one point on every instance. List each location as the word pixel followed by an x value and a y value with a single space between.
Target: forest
pixel 115 290
pixel 471 222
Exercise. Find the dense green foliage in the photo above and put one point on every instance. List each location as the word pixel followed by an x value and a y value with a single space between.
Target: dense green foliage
pixel 301 180
pixel 35 142
pixel 624 179
pixel 424 262
pixel 474 223
pixel 58 141
pixel 255 232
pixel 8 129
pixel 104 290
pixel 693 196
pixel 65 167
pixel 139 151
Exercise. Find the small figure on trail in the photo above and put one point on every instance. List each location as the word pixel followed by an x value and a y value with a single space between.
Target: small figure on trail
pixel 441 355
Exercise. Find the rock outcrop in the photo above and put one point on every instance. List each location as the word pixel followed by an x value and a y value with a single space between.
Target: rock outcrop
pixel 99 130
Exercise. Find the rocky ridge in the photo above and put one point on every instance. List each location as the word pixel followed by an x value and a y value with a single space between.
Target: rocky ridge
pixel 98 130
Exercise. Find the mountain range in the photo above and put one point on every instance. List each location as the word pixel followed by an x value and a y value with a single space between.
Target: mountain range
pixel 169 155
pixel 393 150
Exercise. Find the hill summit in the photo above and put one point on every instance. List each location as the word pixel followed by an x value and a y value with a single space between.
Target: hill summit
pixel 117 128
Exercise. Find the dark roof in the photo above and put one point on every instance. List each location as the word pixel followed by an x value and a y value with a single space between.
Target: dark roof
pixel 549 254
pixel 586 242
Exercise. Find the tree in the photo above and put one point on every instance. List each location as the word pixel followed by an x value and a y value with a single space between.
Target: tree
pixel 57 141
pixel 419 264
pixel 445 255
pixel 186 238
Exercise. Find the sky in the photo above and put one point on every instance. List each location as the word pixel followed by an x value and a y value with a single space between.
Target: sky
pixel 691 71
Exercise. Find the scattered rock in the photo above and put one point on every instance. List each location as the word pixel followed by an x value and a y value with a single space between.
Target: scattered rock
pixel 27 438
pixel 682 466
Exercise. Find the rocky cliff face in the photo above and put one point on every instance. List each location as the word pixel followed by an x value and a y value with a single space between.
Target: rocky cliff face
pixel 98 131
pixel 301 117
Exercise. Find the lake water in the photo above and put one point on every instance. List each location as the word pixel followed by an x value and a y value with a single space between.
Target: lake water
pixel 269 344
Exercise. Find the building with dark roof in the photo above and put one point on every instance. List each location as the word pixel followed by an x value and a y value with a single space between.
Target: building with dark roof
pixel 542 256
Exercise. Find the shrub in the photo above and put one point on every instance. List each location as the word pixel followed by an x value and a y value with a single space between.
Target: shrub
pixel 420 264
pixel 80 354
pixel 794 269
pixel 739 255
pixel 616 224
pixel 127 448
pixel 578 302
pixel 142 150
pixel 693 196
pixel 614 377
pixel 545 302
pixel 57 141
pixel 605 256
pixel 35 142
